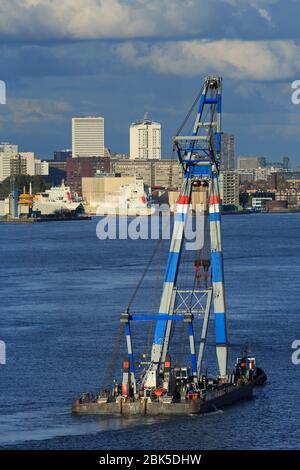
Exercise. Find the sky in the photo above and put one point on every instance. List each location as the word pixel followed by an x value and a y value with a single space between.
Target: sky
pixel 120 59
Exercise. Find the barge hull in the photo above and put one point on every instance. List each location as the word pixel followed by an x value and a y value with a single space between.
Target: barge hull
pixel 155 408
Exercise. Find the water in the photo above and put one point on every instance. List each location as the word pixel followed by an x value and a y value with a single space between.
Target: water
pixel 62 291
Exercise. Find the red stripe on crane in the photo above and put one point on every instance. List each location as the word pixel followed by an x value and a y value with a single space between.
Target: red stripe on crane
pixel 214 200
pixel 184 200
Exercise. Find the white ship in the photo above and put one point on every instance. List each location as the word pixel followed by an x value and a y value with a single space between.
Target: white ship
pixel 57 199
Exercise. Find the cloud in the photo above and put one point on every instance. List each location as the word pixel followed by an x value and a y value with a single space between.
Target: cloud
pixel 265 14
pixel 254 60
pixel 23 112
pixel 41 20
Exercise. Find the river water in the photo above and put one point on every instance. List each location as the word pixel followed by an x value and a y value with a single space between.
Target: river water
pixel 62 291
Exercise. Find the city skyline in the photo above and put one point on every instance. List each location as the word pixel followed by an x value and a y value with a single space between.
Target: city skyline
pixel 103 64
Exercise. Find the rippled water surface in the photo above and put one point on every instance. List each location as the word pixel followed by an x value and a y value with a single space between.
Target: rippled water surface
pixel 62 291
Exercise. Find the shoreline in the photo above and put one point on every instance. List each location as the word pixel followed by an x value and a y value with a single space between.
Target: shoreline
pixel 5 220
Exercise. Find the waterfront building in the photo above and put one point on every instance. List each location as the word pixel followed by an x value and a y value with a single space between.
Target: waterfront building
pixel 260 202
pixel 290 195
pixel 229 188
pixel 88 137
pixel 145 140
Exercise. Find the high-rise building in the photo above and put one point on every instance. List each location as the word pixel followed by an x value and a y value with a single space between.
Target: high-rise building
pixel 145 140
pixel 8 148
pixel 229 188
pixel 13 162
pixel 23 164
pixel 7 151
pixel 88 137
pixel 227 152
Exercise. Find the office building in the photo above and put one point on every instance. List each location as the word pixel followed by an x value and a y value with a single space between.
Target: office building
pixel 145 140
pixel 88 137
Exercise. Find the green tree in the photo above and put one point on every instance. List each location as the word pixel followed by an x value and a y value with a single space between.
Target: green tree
pixel 21 181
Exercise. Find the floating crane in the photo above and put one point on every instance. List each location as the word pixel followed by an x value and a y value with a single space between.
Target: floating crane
pixel 162 388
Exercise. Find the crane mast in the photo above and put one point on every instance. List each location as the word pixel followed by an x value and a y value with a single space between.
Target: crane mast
pixel 199 156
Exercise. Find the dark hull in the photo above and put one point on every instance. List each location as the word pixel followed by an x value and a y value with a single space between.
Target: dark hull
pixel 216 400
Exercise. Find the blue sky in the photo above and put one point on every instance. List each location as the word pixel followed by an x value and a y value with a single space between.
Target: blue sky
pixel 119 59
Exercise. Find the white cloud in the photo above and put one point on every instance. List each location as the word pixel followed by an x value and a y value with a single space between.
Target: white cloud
pixel 255 60
pixel 25 112
pixel 265 14
pixel 81 19
pixel 86 19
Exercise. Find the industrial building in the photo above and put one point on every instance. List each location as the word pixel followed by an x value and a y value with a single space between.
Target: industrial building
pixel 145 140
pixel 114 194
pixel 88 137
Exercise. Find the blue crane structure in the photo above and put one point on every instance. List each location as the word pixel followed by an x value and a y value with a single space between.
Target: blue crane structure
pixel 199 157
pixel 185 389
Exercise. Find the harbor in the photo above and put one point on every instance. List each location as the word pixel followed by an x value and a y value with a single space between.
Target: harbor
pixel 149 233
